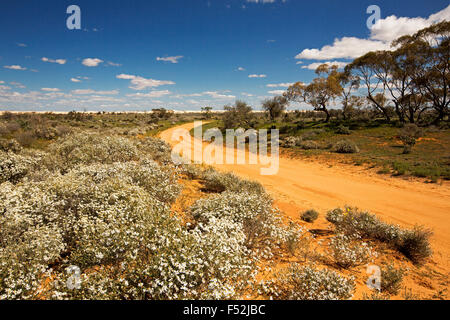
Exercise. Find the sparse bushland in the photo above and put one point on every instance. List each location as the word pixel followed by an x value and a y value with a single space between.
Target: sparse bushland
pixel 102 203
pixel 414 244
pixel 308 283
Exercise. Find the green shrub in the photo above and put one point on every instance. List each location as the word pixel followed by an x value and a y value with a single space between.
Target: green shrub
pixel 408 135
pixel 345 146
pixel 391 279
pixel 309 215
pixel 218 182
pixel 309 145
pixel 414 244
pixel 343 130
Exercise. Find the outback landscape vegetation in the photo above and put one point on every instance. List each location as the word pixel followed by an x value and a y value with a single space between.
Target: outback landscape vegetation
pixel 93 206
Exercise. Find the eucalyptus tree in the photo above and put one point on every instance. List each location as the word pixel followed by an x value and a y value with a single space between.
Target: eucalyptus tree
pixel 430 51
pixel 321 92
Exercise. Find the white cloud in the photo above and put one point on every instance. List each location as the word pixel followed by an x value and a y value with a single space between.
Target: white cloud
pixel 75 80
pixel 217 95
pixel 151 94
pixel 257 76
pixel 382 34
pixel 91 62
pixel 17 85
pixel 344 48
pixel 1 82
pixel 240 69
pixel 280 85
pixel 90 91
pixel 113 64
pixel 50 89
pixel 58 61
pixel 313 66
pixel 140 83
pixel 277 92
pixel 262 1
pixel 247 94
pixel 23 45
pixel 15 67
pixel 393 27
pixel 169 59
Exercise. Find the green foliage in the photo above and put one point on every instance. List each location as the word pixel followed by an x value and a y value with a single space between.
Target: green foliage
pixel 414 244
pixel 345 146
pixel 391 279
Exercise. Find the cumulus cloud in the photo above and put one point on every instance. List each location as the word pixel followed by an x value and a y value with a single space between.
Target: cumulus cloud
pixel 313 66
pixel 280 85
pixel 382 34
pixel 50 89
pixel 170 59
pixel 257 76
pixel 240 69
pixel 91 62
pixel 113 64
pixel 58 61
pixel 277 92
pixel 140 83
pixel 15 67
pixel 151 94
pixel 90 91
pixel 217 95
pixel 75 80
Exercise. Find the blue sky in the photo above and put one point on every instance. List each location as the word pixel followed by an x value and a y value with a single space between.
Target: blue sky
pixel 181 55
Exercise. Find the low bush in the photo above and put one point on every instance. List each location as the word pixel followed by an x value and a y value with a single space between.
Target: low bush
pixel 218 182
pixel 309 145
pixel 261 223
pixel 84 148
pixel 408 135
pixel 14 167
pixel 414 244
pixel 391 279
pixel 308 283
pixel 345 146
pixel 309 215
pixel 346 252
pixel 10 145
pixel 343 130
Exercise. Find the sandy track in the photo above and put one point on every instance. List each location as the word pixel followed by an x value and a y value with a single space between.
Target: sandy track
pixel 302 184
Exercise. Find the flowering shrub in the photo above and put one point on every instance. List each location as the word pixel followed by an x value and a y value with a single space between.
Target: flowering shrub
pixel 308 283
pixel 218 182
pixel 414 244
pixel 10 145
pixel 254 214
pixel 347 253
pixel 14 167
pixel 88 148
